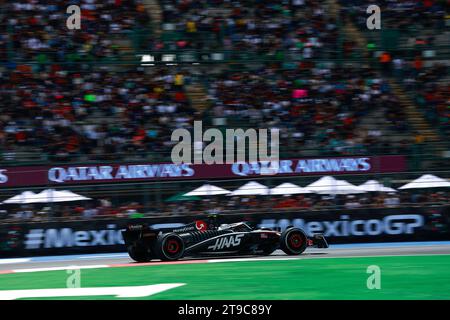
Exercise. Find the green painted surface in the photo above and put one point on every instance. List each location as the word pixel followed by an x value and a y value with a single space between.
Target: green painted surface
pixel 402 277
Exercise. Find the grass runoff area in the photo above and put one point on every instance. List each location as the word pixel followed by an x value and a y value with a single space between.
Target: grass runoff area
pixel 402 277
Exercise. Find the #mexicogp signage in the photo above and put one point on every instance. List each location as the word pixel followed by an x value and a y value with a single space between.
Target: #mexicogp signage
pixel 132 172
pixel 338 226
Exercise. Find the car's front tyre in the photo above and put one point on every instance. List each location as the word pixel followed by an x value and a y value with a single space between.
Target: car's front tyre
pixel 293 241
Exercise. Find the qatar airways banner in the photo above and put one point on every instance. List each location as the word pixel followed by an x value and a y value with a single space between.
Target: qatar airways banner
pixel 133 172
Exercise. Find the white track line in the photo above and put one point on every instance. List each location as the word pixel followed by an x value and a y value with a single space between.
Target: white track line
pixel 251 259
pixel 119 292
pixel 61 268
pixel 18 260
pixel 113 256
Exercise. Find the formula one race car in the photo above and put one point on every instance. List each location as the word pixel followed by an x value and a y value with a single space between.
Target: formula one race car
pixel 203 239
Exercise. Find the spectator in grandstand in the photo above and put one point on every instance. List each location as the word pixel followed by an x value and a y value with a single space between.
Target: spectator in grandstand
pixel 324 202
pixel 392 200
pixel 287 202
pixel 352 202
pixel 398 65
pixel 90 212
pixel 303 202
pixel 232 203
pixel 385 62
pixel 24 213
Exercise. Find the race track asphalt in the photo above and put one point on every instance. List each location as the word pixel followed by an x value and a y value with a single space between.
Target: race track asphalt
pixel 335 251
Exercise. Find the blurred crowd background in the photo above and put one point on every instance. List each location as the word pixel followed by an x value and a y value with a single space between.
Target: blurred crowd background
pixel 310 68
pixel 105 209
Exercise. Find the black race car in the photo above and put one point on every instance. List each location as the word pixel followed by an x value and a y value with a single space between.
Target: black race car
pixel 200 238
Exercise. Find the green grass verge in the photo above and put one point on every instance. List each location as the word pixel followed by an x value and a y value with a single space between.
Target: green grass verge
pixel 402 277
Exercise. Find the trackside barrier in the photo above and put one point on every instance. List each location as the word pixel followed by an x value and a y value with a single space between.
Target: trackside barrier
pixel 343 226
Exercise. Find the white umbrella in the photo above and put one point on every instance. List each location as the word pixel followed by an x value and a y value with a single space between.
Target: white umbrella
pixel 288 188
pixel 330 185
pixel 23 198
pixel 251 188
pixel 207 190
pixel 51 195
pixel 68 195
pixel 375 186
pixel 427 181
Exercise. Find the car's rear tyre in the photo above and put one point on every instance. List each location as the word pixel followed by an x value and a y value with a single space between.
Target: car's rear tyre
pixel 139 253
pixel 293 241
pixel 170 247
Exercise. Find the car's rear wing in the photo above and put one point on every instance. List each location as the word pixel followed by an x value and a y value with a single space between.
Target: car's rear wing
pixel 139 233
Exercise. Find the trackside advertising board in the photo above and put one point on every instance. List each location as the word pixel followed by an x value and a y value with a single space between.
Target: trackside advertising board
pixel 352 226
pixel 134 172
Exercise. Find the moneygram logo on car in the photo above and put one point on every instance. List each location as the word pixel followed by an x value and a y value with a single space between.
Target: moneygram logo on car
pixel 67 237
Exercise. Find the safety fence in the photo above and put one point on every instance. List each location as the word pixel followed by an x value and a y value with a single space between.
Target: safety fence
pixel 343 226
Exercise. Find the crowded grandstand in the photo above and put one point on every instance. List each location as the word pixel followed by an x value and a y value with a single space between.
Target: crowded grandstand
pixel 81 95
